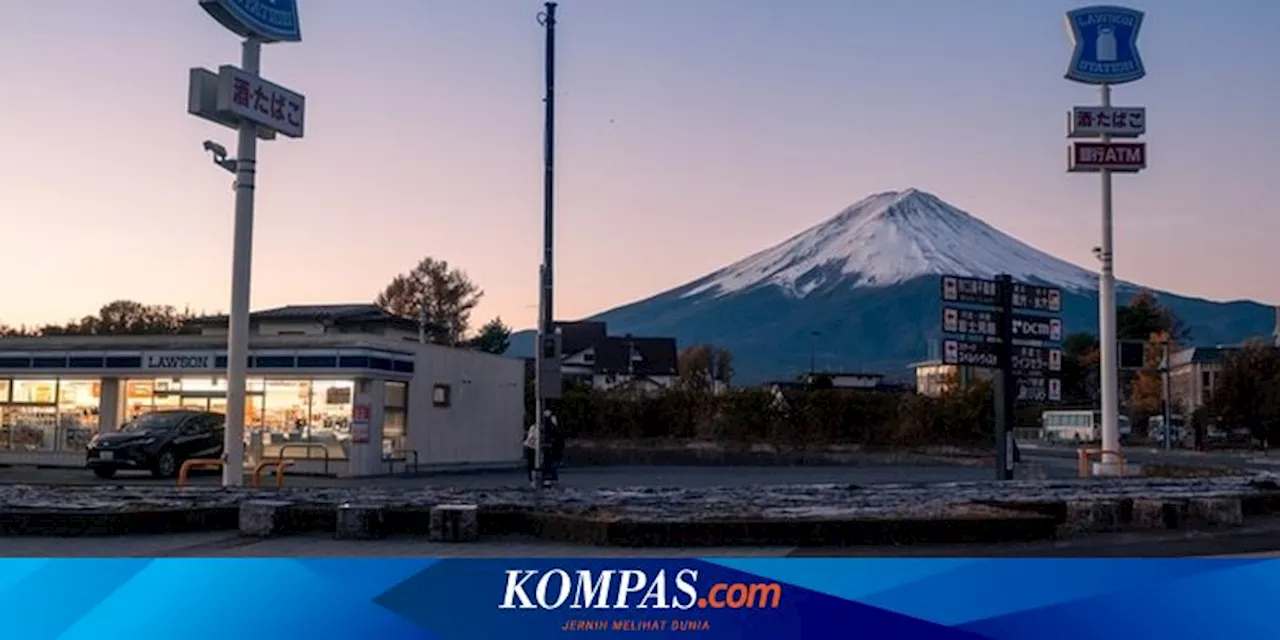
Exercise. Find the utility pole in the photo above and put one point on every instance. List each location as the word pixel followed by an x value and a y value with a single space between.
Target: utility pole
pixel 547 358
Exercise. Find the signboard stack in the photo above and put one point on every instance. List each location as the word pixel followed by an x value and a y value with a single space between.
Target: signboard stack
pixel 1014 328
pixel 1106 53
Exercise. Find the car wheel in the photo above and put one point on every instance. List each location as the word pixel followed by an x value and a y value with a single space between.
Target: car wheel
pixel 106 473
pixel 166 465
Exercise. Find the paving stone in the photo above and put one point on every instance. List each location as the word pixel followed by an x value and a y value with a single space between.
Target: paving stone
pixel 454 523
pixel 264 518
pixel 1155 513
pixel 1091 516
pixel 1216 511
pixel 361 522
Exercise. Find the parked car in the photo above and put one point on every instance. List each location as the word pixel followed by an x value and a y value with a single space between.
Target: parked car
pixel 158 442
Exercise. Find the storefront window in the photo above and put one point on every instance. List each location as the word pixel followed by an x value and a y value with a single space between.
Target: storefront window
pixel 4 391
pixel 286 407
pixel 34 391
pixel 78 402
pixel 394 415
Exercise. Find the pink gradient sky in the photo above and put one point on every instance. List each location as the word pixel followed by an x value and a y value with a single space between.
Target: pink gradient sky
pixel 691 134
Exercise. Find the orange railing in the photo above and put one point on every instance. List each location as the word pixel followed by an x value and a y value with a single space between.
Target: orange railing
pixel 1083 460
pixel 198 463
pixel 279 465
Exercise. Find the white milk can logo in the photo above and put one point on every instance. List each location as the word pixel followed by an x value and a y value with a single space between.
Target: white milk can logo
pixel 267 20
pixel 1106 45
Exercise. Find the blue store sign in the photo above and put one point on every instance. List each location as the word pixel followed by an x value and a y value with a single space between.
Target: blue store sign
pixel 266 20
pixel 1106 45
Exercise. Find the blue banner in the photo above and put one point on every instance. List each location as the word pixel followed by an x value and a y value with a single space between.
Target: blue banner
pixel 773 599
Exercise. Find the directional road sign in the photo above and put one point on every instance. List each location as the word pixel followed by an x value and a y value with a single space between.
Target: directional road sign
pixel 1031 361
pixel 986 323
pixel 986 293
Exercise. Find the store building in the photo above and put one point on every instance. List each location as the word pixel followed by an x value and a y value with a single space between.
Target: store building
pixel 349 383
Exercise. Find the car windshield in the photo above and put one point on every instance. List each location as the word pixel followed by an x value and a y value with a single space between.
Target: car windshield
pixel 154 422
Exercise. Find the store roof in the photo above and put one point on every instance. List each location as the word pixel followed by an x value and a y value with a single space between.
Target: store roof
pixel 336 314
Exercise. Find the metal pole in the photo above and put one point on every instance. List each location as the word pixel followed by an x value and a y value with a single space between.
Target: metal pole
pixel 1006 390
pixel 1108 343
pixel 241 269
pixel 1165 391
pixel 546 320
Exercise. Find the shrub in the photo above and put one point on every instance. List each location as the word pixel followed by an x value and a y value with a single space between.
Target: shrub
pixel 798 418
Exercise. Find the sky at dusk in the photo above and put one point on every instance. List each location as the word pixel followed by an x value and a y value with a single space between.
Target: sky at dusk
pixel 690 134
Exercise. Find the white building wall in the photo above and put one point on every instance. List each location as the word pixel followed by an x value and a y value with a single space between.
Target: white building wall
pixel 482 424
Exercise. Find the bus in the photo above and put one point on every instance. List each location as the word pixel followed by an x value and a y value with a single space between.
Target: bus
pixel 1078 426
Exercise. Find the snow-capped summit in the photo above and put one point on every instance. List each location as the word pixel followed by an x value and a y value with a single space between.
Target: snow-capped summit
pixel 889 238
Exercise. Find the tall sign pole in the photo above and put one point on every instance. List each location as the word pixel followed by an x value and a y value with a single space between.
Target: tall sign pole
pixel 1105 53
pixel 547 358
pixel 241 99
pixel 1011 328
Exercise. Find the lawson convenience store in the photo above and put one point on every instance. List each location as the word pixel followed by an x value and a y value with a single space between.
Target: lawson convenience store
pixel 358 400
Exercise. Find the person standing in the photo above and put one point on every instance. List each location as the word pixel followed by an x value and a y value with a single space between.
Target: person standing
pixel 553 449
pixel 531 450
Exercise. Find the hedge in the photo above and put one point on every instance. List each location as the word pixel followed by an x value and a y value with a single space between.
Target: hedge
pixel 794 418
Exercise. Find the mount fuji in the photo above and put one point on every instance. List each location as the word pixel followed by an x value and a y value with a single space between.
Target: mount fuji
pixel 860 292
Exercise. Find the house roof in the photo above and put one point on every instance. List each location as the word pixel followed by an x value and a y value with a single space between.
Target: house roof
pixel 657 356
pixel 336 314
pixel 1201 355
pixel 576 337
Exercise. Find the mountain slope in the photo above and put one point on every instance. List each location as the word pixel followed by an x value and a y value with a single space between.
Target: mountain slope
pixel 860 292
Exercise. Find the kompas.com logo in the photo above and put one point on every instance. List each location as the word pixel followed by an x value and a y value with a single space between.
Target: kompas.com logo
pixel 631 589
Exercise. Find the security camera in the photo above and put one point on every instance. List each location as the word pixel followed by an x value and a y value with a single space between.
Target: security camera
pixel 219 152
pixel 1097 252
pixel 220 155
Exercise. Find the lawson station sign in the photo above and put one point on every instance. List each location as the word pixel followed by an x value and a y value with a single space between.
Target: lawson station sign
pixel 265 20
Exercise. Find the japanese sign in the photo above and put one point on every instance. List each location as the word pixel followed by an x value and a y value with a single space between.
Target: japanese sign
pixel 1116 156
pixel 1094 122
pixel 970 291
pixel 1105 43
pixel 251 98
pixel 1027 361
pixel 202 102
pixel 987 293
pixel 971 322
pixel 1041 389
pixel 1036 360
pixel 266 20
pixel 971 354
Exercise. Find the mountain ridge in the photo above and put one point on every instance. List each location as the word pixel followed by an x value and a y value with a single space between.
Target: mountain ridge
pixel 866 281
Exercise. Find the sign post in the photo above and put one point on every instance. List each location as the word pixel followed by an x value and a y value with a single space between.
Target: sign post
pixel 1105 53
pixel 547 358
pixel 253 106
pixel 1010 327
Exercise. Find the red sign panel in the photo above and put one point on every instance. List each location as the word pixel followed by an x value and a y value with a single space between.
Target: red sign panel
pixel 1116 156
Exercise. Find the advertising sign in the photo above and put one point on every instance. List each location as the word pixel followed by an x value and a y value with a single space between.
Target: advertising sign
pixel 1039 389
pixel 986 323
pixel 178 360
pixel 1116 156
pixel 1105 43
pixel 971 354
pixel 360 413
pixel 202 102
pixel 266 20
pixel 1036 360
pixel 249 97
pixel 971 291
pixel 1095 122
pixel 1037 328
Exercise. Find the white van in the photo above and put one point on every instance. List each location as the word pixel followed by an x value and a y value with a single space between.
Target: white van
pixel 1078 426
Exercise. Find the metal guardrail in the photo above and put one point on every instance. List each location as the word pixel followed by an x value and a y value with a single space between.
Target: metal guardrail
pixel 1085 453
pixel 308 446
pixel 391 459
pixel 198 463
pixel 278 465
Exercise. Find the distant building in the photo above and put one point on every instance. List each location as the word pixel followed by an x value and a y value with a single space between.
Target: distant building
pixel 933 378
pixel 1193 373
pixel 593 357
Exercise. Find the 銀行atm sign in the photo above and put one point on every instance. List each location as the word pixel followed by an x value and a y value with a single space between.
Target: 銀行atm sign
pixel 1115 156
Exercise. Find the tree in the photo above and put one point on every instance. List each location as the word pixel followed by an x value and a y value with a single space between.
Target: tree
pixel 447 294
pixel 1079 365
pixel 701 366
pixel 493 337
pixel 1144 316
pixel 1247 393
pixel 125 317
